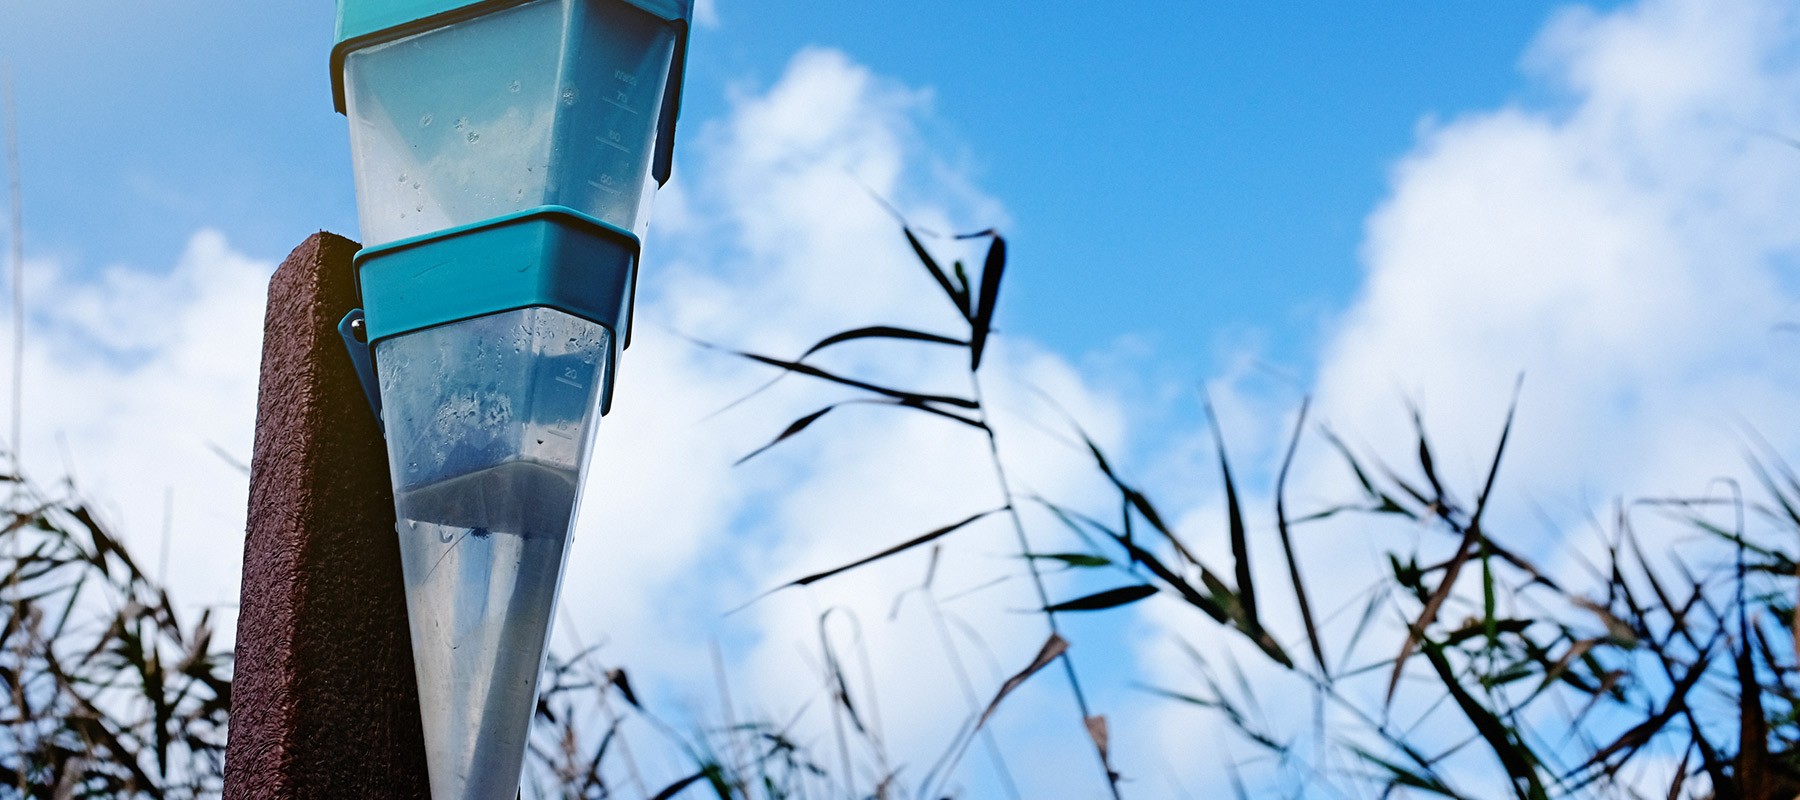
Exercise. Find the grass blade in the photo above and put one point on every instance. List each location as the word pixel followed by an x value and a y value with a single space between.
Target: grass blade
pixel 895 550
pixel 958 295
pixel 814 372
pixel 1053 648
pixel 1111 598
pixel 1287 545
pixel 679 786
pixel 1641 733
pixel 794 428
pixel 1240 542
pixel 880 332
pixel 982 322
pixel 1401 776
pixel 1415 632
pixel 1453 569
pixel 1439 500
pixel 1073 560
pixel 1514 756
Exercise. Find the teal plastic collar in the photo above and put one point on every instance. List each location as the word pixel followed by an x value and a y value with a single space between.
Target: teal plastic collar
pixel 549 256
pixel 368 21
pixel 361 23
pixel 552 257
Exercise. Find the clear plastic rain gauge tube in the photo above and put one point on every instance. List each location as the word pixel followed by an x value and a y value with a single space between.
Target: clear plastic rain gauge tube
pixel 489 425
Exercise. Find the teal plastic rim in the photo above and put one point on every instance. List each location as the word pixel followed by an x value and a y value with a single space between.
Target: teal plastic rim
pixel 550 256
pixel 360 18
pixel 362 23
pixel 545 257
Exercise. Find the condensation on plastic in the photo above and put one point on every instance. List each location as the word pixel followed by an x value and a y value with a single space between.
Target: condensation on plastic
pixel 489 424
pixel 553 102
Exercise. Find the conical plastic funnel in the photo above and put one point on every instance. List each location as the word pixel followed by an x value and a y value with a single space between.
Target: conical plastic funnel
pixel 489 426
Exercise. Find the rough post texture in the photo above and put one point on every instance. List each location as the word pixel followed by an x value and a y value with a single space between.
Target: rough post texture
pixel 324 703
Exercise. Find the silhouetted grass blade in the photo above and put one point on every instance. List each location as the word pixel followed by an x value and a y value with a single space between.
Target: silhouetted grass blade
pixel 1136 554
pixel 1136 500
pixel 986 233
pixel 1053 648
pixel 1472 538
pixel 815 372
pixel 895 550
pixel 1754 772
pixel 1385 504
pixel 1416 631
pixel 1287 544
pixel 796 367
pixel 1641 733
pixel 676 788
pixel 1681 775
pixel 1194 597
pixel 1111 598
pixel 104 544
pixel 926 407
pixel 1429 465
pixel 591 777
pixel 161 708
pixel 1401 776
pixel 617 678
pixel 1515 757
pixel 958 295
pixel 1233 714
pixel 981 324
pixel 881 332
pixel 1482 628
pixel 1240 543
pixel 1487 487
pixel 1559 669
pixel 840 686
pixel 1073 560
pixel 795 427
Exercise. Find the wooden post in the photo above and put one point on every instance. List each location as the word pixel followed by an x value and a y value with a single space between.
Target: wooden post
pixel 323 703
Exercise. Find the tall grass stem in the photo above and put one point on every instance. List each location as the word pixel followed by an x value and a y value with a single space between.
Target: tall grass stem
pixel 1037 576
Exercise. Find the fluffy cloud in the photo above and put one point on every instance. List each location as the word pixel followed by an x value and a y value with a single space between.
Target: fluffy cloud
pixel 141 386
pixel 1630 250
pixel 1628 245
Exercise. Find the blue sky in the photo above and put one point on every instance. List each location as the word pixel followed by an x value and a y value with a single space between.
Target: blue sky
pixel 1187 172
pixel 1400 202
pixel 1195 168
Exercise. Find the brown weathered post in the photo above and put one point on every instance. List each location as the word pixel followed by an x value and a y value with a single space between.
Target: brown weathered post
pixel 323 703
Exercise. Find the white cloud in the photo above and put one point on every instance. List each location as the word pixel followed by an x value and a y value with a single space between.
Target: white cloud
pixel 135 383
pixel 1632 254
pixel 1629 246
